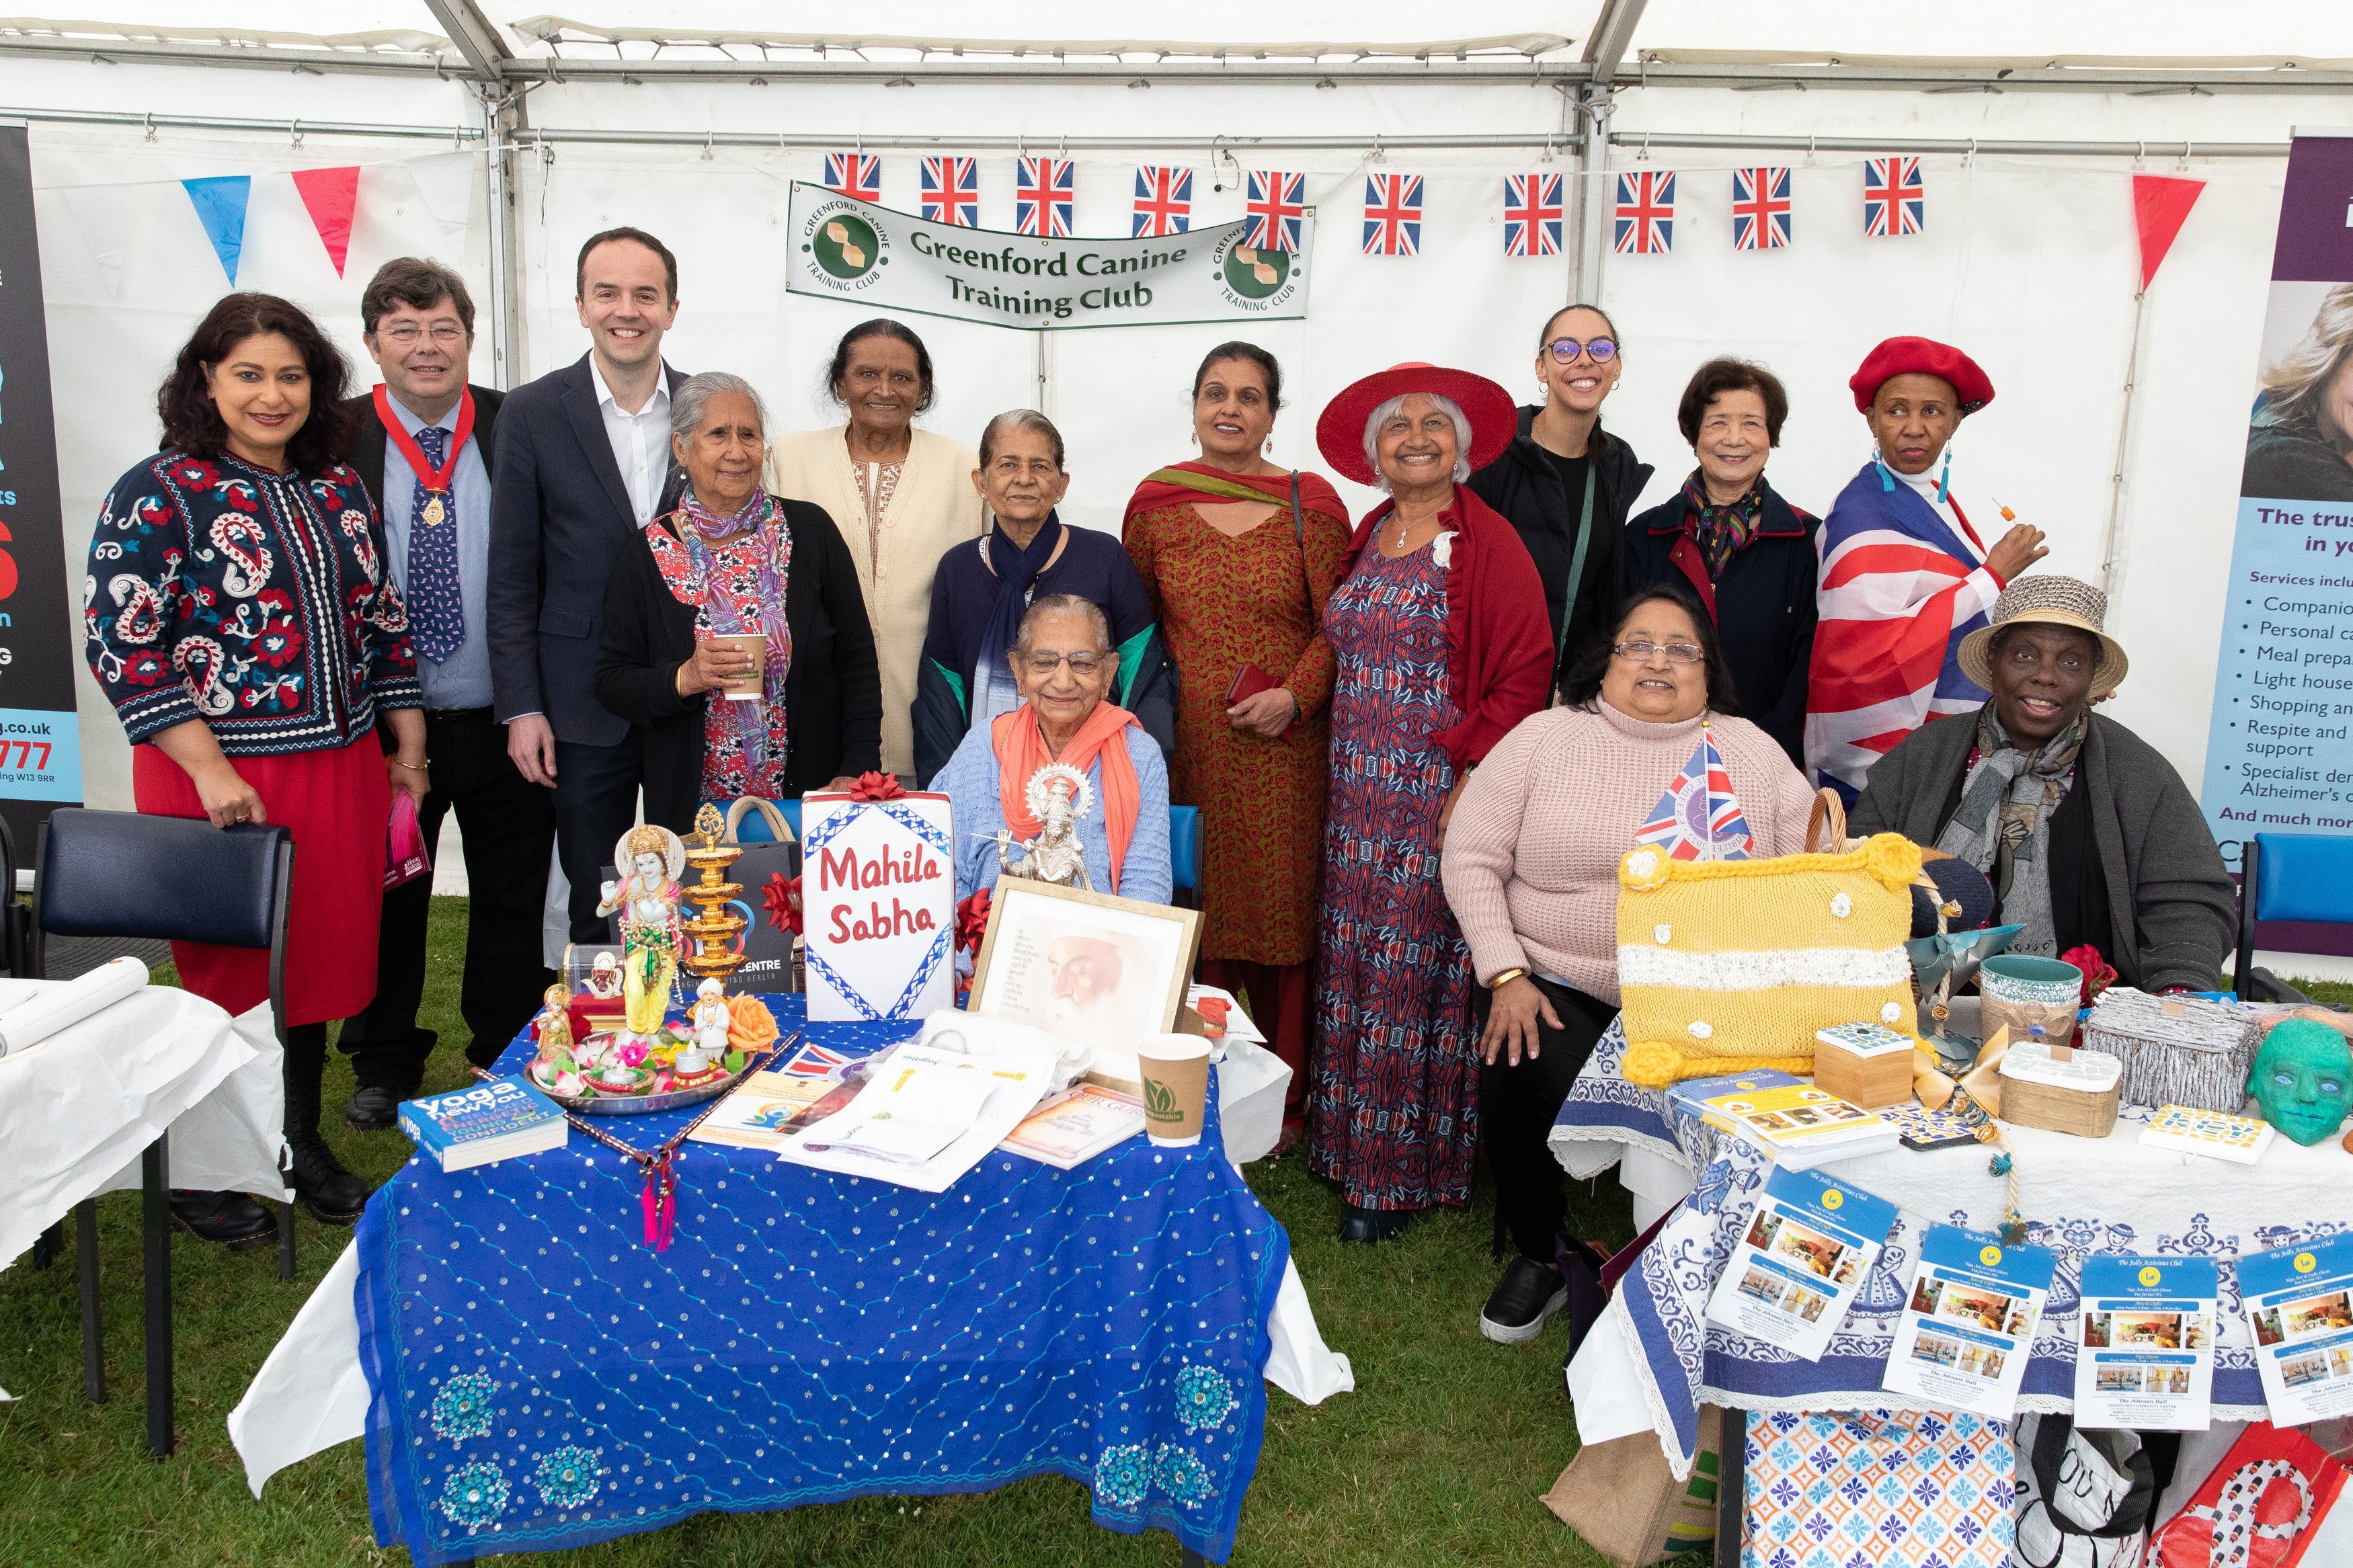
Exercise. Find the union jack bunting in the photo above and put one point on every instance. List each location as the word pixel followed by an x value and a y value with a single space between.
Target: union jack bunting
pixel 855 174
pixel 952 191
pixel 1532 215
pixel 1041 197
pixel 1699 818
pixel 1392 215
pixel 1894 201
pixel 1276 205
pixel 1646 212
pixel 1760 209
pixel 1164 201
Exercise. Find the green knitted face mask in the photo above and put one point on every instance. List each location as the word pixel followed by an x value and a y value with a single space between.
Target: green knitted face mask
pixel 2302 1079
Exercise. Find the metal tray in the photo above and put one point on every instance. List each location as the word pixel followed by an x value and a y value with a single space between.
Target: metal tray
pixel 648 1104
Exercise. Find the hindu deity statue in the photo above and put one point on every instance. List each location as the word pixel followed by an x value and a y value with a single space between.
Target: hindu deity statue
pixel 647 897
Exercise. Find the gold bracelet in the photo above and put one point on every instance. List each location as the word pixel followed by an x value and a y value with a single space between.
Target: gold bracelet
pixel 412 767
pixel 1506 978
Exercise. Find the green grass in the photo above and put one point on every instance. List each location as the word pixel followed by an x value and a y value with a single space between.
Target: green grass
pixel 1439 1457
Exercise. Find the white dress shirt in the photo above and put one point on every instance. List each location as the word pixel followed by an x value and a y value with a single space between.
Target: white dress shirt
pixel 640 441
pixel 463 680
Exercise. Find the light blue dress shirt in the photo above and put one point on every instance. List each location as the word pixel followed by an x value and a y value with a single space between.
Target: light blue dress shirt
pixel 969 781
pixel 463 679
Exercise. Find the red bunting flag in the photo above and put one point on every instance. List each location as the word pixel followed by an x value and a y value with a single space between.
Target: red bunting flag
pixel 2161 205
pixel 328 195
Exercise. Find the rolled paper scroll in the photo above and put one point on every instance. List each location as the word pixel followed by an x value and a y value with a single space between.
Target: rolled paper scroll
pixel 53 1009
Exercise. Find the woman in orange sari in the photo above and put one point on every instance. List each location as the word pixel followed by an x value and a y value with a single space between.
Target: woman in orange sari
pixel 1238 555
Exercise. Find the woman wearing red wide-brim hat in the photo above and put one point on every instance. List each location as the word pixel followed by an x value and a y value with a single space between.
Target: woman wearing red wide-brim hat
pixel 1904 574
pixel 1440 645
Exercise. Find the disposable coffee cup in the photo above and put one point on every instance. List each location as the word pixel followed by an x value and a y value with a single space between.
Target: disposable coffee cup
pixel 1175 1072
pixel 750 686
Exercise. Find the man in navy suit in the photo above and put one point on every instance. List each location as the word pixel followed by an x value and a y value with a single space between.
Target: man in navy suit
pixel 584 463
pixel 424 424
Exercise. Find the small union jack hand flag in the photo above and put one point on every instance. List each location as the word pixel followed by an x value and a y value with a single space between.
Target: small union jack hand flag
pixel 1276 205
pixel 1895 201
pixel 1699 818
pixel 1760 209
pixel 1532 215
pixel 858 175
pixel 1392 215
pixel 1164 201
pixel 1645 215
pixel 1041 197
pixel 952 191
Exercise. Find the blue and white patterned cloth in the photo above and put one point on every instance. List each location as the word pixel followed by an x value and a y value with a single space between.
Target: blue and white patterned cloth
pixel 539 1379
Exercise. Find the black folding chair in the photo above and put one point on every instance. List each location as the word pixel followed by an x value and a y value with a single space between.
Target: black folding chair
pixel 123 874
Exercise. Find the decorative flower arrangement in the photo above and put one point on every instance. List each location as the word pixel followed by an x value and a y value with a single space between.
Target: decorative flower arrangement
pixel 566 1477
pixel 2098 972
pixel 1123 1474
pixel 1204 1398
pixel 750 1026
pixel 476 1494
pixel 462 1408
pixel 1181 1475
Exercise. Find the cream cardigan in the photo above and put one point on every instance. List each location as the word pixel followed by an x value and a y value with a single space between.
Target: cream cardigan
pixel 933 509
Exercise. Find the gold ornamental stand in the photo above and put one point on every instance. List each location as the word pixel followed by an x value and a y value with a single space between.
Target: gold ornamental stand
pixel 712 929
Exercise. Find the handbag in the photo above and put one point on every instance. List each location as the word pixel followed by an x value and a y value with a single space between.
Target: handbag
pixel 766 872
pixel 2083 1498
pixel 2260 1507
pixel 1622 1499
pixel 405 858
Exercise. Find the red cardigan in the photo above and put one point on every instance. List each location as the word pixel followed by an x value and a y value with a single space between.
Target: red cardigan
pixel 1499 636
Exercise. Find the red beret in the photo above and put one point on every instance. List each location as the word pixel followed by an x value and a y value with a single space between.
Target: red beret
pixel 1921 356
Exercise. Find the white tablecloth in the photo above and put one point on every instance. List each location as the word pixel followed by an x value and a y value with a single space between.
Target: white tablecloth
pixel 312 1394
pixel 77 1110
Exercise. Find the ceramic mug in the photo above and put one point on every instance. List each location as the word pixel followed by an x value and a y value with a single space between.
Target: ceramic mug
pixel 2021 992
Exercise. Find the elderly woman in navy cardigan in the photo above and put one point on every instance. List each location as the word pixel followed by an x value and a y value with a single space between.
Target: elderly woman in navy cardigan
pixel 1748 553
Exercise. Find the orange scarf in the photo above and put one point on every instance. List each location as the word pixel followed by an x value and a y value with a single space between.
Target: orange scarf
pixel 1020 743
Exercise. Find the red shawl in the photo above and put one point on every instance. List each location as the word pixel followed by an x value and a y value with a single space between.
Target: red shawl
pixel 1499 635
pixel 1315 493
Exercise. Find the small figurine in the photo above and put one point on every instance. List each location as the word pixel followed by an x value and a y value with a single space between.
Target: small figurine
pixel 555 1065
pixel 647 898
pixel 604 980
pixel 1058 796
pixel 2302 1079
pixel 712 1019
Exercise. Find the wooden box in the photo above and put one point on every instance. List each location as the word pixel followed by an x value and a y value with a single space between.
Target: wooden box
pixel 2060 1090
pixel 2177 1050
pixel 1864 1064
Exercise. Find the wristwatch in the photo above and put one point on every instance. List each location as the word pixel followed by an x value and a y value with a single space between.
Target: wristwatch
pixel 1506 978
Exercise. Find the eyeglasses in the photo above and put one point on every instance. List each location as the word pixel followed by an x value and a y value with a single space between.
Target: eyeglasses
pixel 1566 349
pixel 406 335
pixel 1676 652
pixel 1082 665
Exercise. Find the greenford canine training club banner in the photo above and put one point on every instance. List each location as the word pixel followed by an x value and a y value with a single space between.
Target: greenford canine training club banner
pixel 853 250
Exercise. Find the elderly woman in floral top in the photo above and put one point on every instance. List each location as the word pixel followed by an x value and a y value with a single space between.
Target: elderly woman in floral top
pixel 239 615
pixel 735 562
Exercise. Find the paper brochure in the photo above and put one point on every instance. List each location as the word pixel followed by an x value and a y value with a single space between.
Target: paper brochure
pixel 2144 1345
pixel 1962 1339
pixel 925 1118
pixel 2300 1305
pixel 1802 1261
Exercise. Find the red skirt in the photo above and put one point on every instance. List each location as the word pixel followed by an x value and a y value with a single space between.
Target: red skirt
pixel 338 804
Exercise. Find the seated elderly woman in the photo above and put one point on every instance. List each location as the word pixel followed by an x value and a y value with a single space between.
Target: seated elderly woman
pixel 1063 663
pixel 2089 836
pixel 1531 869
pixel 735 562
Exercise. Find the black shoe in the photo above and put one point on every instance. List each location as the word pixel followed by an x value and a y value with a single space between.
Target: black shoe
pixel 333 1194
pixel 1528 1293
pixel 485 1054
pixel 232 1219
pixel 373 1108
pixel 1374 1225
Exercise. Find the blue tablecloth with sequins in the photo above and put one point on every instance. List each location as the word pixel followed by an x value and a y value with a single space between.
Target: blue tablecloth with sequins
pixel 541 1379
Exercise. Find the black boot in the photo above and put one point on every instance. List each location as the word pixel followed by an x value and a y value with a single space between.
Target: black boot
pixel 234 1220
pixel 331 1193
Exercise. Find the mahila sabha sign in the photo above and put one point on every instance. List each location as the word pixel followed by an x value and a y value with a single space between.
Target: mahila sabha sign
pixel 848 249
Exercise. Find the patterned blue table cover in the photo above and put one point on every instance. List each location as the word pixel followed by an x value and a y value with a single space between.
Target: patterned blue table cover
pixel 541 1379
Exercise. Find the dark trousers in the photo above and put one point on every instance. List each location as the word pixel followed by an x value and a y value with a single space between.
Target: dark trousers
pixel 1516 1109
pixel 508 827
pixel 596 803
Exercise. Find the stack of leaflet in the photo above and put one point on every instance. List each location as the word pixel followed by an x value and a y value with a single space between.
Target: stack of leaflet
pixel 925 1116
pixel 1799 1125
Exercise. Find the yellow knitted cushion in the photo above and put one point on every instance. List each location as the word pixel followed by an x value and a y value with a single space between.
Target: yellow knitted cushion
pixel 1730 966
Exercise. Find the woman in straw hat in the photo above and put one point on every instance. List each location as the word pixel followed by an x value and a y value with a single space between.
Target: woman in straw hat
pixel 1439 644
pixel 2089 836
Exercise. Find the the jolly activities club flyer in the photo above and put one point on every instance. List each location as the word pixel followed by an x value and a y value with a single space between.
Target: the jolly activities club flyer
pixel 2144 1351
pixel 2300 1304
pixel 1800 1262
pixel 1962 1339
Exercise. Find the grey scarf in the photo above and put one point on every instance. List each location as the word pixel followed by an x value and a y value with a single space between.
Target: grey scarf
pixel 2003 825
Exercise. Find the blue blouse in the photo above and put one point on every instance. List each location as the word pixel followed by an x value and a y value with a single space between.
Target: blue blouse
pixel 255 601
pixel 970 782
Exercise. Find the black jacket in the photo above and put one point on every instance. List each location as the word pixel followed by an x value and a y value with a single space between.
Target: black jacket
pixel 1523 485
pixel 367 448
pixel 833 694
pixel 1764 604
pixel 2291 462
pixel 560 518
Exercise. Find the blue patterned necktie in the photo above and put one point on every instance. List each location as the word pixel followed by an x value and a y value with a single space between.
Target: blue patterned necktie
pixel 437 615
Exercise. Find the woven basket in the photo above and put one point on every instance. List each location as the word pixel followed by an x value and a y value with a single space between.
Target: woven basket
pixel 2176 1050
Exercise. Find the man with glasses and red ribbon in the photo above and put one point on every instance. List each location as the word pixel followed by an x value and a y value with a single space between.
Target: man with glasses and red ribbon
pixel 423 446
pixel 1563 483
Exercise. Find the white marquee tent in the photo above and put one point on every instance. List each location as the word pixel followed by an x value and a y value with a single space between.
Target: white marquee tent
pixel 496 136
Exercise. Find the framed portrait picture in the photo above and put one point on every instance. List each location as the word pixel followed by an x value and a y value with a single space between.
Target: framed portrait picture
pixel 1088 967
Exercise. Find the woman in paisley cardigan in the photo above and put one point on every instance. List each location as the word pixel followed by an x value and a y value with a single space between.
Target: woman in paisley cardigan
pixel 239 615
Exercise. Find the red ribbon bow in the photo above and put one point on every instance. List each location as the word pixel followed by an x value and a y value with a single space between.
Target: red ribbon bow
pixel 972 921
pixel 783 898
pixel 877 786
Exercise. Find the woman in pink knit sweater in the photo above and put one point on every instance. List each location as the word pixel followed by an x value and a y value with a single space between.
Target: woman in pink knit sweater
pixel 1531 869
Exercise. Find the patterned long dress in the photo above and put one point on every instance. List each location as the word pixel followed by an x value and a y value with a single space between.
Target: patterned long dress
pixel 1395 1106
